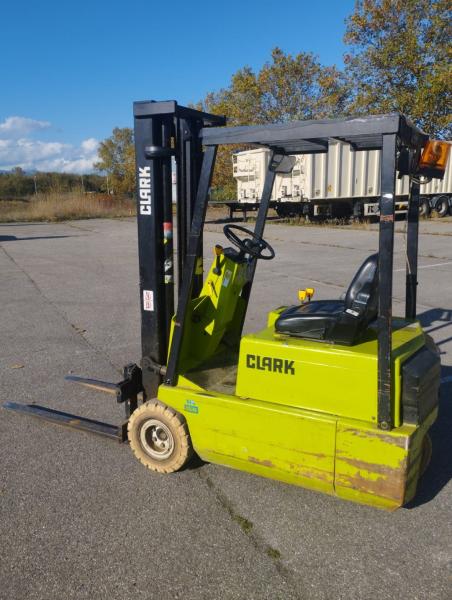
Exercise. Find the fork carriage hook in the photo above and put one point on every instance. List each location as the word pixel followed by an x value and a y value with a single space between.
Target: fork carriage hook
pixel 254 246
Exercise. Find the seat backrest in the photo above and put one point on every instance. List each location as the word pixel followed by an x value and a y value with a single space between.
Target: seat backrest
pixel 362 294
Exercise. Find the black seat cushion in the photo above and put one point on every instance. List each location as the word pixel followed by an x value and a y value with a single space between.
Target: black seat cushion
pixel 337 321
pixel 309 320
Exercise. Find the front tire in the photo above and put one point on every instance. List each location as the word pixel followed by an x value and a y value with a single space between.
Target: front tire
pixel 159 437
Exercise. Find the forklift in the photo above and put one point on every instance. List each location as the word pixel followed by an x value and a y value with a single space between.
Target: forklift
pixel 332 395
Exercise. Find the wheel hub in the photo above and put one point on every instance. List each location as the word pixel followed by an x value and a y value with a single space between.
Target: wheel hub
pixel 156 439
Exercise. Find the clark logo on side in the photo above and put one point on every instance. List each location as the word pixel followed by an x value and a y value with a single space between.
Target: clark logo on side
pixel 144 190
pixel 268 363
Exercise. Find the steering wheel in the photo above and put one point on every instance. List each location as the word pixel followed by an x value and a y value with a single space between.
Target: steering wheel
pixel 254 245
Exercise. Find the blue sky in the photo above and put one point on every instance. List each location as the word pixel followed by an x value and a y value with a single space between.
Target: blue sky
pixel 70 70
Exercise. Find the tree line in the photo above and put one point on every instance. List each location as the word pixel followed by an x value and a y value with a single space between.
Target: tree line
pixel 17 184
pixel 398 59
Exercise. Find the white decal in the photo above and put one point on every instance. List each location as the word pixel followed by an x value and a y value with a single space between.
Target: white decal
pixel 227 278
pixel 148 300
pixel 144 190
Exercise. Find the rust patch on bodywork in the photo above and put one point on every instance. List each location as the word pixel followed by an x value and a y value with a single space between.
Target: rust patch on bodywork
pixel 375 464
pixel 381 437
pixel 315 454
pixel 264 463
pixel 300 470
pixel 311 473
pixel 392 488
pixel 374 467
pixel 377 479
pixel 299 451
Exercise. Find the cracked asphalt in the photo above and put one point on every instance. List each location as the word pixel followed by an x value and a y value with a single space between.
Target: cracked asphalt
pixel 81 518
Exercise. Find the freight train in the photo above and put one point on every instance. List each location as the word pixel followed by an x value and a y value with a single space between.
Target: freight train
pixel 339 184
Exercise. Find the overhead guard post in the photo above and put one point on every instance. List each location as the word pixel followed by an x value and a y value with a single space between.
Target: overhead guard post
pixel 412 250
pixel 385 268
pixel 260 226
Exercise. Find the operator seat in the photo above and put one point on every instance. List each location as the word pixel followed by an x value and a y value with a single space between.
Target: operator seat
pixel 337 321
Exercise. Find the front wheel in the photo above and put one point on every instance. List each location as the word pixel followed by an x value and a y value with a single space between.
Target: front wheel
pixel 159 437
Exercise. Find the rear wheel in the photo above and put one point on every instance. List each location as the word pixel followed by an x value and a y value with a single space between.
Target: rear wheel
pixel 159 437
pixel 442 206
pixel 424 208
pixel 426 454
pixel 280 212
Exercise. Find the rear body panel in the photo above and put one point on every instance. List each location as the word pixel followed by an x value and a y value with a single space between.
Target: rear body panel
pixel 348 458
pixel 305 413
pixel 260 437
pixel 376 467
pixel 300 411
pixel 314 375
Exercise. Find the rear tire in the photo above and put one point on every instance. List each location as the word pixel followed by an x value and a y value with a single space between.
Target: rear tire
pixel 442 206
pixel 159 437
pixel 424 208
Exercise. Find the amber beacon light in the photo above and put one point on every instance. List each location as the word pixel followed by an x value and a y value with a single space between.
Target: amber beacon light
pixel 434 159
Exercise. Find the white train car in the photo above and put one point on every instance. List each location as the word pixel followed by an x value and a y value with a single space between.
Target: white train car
pixel 341 182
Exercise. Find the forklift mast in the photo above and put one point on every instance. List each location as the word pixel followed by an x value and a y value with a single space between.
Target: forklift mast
pixel 165 132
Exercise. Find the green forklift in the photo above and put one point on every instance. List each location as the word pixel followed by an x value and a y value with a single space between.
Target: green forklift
pixel 332 395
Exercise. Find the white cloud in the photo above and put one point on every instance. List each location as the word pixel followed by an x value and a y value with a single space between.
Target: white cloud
pixel 90 145
pixel 31 154
pixel 26 150
pixel 20 126
pixel 83 164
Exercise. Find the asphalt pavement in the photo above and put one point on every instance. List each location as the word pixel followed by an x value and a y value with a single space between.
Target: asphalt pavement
pixel 81 518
